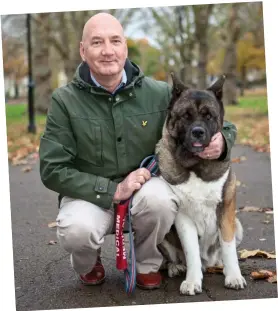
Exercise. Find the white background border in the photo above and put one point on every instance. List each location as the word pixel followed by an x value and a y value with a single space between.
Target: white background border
pixel 7 292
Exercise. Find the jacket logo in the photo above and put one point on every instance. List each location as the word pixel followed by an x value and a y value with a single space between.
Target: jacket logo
pixel 144 123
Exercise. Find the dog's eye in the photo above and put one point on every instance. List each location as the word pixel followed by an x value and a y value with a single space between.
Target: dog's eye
pixel 187 115
pixel 208 116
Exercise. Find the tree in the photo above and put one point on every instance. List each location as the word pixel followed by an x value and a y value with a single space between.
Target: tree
pixel 201 19
pixel 176 38
pixel 14 61
pixel 231 36
pixel 249 56
pixel 41 60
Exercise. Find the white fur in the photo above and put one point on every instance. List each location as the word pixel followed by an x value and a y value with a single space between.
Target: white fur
pixel 188 235
pixel 199 200
pixel 197 217
pixel 233 277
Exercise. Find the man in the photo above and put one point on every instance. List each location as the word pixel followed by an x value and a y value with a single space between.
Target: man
pixel 99 128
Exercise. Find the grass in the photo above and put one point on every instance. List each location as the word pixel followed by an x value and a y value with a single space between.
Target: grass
pixel 20 142
pixel 250 118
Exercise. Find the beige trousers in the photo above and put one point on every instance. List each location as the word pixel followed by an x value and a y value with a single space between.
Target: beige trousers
pixel 82 226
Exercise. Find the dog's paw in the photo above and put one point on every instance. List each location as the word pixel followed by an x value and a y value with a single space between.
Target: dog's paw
pixel 191 288
pixel 235 282
pixel 175 269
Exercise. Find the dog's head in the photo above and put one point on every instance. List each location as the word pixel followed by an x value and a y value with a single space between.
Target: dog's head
pixel 194 116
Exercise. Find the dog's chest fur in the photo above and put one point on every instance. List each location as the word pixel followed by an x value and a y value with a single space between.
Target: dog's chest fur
pixel 199 200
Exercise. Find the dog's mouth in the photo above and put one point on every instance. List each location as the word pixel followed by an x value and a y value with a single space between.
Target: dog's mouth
pixel 197 147
pixel 197 144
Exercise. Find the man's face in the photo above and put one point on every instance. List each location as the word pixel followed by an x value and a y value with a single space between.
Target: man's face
pixel 104 49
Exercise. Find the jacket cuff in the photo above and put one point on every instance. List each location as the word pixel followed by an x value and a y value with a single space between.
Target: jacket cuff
pixel 104 192
pixel 228 132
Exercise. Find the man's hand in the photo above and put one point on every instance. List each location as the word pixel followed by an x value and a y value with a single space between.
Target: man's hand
pixel 132 182
pixel 214 149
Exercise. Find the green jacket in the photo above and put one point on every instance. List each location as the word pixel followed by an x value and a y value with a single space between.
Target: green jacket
pixel 94 139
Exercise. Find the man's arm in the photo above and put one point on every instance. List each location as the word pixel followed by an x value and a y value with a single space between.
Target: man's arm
pixel 57 154
pixel 229 133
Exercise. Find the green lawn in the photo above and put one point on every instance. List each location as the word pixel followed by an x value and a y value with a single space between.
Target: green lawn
pixel 257 104
pixel 18 113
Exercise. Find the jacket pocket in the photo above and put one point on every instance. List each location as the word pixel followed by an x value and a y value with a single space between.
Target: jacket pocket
pixel 89 141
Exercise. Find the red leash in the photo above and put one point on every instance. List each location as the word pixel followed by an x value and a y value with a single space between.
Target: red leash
pixel 122 210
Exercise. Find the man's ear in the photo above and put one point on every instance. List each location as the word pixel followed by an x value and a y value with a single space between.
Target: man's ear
pixel 81 51
pixel 217 87
pixel 178 86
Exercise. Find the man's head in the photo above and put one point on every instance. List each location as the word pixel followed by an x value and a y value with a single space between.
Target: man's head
pixel 103 46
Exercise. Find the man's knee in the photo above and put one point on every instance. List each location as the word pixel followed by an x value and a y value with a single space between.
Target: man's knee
pixel 75 235
pixel 156 200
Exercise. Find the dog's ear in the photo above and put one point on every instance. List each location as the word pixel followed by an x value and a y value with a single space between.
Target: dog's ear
pixel 178 86
pixel 217 87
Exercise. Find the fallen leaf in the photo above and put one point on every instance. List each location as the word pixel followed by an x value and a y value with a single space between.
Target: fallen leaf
pixel 26 169
pixel 235 160
pixel 266 222
pixel 216 269
pixel 52 242
pixel 52 224
pixel 272 279
pixel 19 162
pixel 256 253
pixel 250 209
pixel 238 183
pixel 262 239
pixel 266 210
pixel 269 212
pixel 261 274
pixel 238 159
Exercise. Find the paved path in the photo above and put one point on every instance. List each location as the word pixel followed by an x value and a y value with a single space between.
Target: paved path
pixel 44 279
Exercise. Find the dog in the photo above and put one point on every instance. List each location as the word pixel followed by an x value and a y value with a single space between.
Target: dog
pixel 206 231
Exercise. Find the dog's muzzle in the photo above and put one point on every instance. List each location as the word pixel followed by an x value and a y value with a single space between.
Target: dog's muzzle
pixel 198 132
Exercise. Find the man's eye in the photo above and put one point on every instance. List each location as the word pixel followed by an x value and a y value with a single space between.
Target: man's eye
pixel 95 43
pixel 116 41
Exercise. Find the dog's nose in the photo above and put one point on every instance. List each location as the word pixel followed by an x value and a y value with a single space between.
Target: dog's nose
pixel 198 132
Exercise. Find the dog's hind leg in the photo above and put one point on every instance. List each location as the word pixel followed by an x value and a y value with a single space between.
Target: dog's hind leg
pixel 228 228
pixel 174 264
pixel 239 232
pixel 188 235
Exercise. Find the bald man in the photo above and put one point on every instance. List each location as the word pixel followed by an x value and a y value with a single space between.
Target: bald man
pixel 99 128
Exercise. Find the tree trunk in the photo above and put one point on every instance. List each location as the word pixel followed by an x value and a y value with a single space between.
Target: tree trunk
pixel 230 59
pixel 72 63
pixel 42 68
pixel 201 16
pixel 16 90
pixel 243 80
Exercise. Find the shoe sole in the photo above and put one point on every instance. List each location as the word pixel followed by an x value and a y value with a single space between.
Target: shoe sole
pixel 148 287
pixel 92 283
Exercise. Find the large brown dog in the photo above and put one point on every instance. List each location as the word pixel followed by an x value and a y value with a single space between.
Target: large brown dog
pixel 206 231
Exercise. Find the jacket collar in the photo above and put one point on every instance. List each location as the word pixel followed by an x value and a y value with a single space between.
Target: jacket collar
pixel 83 79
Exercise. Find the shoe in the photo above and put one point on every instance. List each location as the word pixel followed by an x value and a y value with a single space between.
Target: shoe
pixel 96 276
pixel 149 281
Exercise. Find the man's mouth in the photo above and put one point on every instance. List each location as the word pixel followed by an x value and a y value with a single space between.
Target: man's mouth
pixel 108 61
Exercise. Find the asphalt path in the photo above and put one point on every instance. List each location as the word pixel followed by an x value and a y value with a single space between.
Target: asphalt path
pixel 44 279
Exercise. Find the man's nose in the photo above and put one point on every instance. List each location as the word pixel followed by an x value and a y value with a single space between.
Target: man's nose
pixel 107 48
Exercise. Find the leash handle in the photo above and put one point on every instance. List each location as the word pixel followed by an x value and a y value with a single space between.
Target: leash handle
pixel 123 209
pixel 121 258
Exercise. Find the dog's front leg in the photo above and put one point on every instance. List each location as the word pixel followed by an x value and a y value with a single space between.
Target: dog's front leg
pixel 188 235
pixel 233 277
